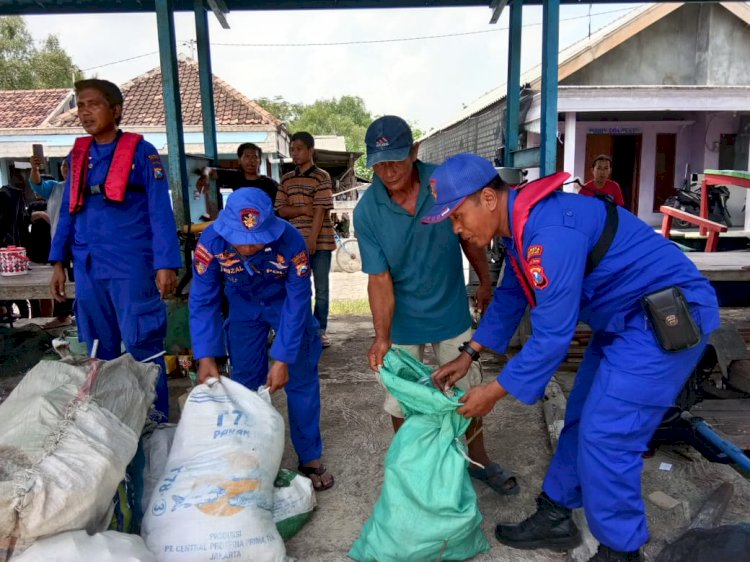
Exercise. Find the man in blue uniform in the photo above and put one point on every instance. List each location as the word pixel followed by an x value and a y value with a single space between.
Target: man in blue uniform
pixel 259 262
pixel 578 258
pixel 116 223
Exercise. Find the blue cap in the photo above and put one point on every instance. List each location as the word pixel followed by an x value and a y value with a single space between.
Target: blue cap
pixel 248 218
pixel 388 139
pixel 454 180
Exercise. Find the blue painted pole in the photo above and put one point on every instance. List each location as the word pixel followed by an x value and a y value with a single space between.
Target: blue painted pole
pixel 550 47
pixel 730 449
pixel 513 85
pixel 207 89
pixel 207 97
pixel 178 180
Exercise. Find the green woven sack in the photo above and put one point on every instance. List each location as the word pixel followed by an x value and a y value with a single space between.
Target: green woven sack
pixel 427 509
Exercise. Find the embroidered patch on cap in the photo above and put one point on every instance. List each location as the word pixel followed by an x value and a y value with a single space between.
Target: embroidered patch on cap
pixel 539 277
pixel 433 187
pixel 382 142
pixel 249 218
pixel 301 264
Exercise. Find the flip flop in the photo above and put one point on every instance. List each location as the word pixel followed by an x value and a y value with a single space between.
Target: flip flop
pixel 497 478
pixel 317 471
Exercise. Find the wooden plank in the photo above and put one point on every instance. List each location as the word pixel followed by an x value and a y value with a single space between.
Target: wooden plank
pixel 33 285
pixel 730 417
pixel 687 217
pixel 722 266
pixel 710 513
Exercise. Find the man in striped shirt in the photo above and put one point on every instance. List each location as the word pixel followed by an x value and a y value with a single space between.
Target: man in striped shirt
pixel 305 199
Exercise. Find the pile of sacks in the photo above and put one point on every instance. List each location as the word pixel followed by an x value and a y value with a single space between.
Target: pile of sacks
pixel 211 486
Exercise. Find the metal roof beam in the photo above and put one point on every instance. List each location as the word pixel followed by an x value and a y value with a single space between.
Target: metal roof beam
pixel 497 7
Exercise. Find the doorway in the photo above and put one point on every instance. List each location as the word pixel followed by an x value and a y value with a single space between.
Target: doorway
pixel 625 151
pixel 664 186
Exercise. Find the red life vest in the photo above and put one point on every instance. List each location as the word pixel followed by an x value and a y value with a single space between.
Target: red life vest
pixel 116 183
pixel 527 196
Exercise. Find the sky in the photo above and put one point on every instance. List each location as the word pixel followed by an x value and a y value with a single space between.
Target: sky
pixel 427 81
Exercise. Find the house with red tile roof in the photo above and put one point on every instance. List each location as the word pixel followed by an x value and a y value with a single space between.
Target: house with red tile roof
pixel 49 117
pixel 663 90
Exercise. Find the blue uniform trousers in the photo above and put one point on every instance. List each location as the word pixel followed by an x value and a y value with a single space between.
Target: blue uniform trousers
pixel 128 311
pixel 599 458
pixel 247 342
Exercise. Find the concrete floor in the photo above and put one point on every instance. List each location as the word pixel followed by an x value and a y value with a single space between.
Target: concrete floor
pixel 357 434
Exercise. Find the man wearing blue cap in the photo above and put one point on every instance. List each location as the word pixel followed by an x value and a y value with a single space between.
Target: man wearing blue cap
pixel 651 312
pixel 416 285
pixel 260 264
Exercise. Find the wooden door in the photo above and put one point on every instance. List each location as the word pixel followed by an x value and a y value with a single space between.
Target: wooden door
pixel 626 168
pixel 596 145
pixel 664 186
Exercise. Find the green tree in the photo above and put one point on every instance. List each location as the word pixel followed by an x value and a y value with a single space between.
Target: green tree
pixel 278 106
pixel 346 116
pixel 23 66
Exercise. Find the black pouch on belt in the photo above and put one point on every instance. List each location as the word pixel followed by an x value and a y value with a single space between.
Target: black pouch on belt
pixel 670 317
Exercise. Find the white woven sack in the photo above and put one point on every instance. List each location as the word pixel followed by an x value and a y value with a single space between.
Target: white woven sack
pixel 69 432
pixel 215 499
pixel 157 442
pixel 79 546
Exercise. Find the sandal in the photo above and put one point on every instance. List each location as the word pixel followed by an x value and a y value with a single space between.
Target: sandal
pixel 497 478
pixel 316 471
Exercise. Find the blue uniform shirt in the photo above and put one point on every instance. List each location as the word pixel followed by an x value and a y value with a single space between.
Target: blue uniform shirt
pixel 424 261
pixel 272 286
pixel 561 231
pixel 125 240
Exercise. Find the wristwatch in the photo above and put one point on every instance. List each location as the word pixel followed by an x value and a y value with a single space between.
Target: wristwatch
pixel 470 351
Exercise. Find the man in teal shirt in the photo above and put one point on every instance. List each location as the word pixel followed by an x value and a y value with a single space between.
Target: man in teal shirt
pixel 416 285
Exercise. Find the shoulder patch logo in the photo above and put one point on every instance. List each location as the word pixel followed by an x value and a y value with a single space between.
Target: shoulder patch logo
pixel 203 259
pixel 539 277
pixel 249 218
pixel 301 264
pixel 534 251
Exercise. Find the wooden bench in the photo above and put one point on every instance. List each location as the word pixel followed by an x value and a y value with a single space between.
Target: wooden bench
pixel 713 228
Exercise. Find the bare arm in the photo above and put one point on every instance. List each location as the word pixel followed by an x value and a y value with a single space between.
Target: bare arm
pixel 477 257
pixel 382 304
pixel 289 212
pixel 36 163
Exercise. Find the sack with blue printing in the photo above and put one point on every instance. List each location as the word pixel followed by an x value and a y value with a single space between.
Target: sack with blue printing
pixel 215 498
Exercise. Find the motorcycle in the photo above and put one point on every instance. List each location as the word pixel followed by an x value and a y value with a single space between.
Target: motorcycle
pixel 688 199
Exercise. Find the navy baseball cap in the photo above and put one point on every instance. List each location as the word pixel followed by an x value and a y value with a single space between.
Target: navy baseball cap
pixel 454 180
pixel 388 139
pixel 248 218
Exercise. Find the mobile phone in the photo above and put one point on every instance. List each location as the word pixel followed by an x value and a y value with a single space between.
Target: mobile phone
pixel 38 151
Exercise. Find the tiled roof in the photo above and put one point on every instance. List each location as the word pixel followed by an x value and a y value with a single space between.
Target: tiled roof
pixel 144 102
pixel 20 109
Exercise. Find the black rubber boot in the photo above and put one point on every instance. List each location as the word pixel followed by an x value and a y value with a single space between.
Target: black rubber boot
pixel 550 527
pixel 606 554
